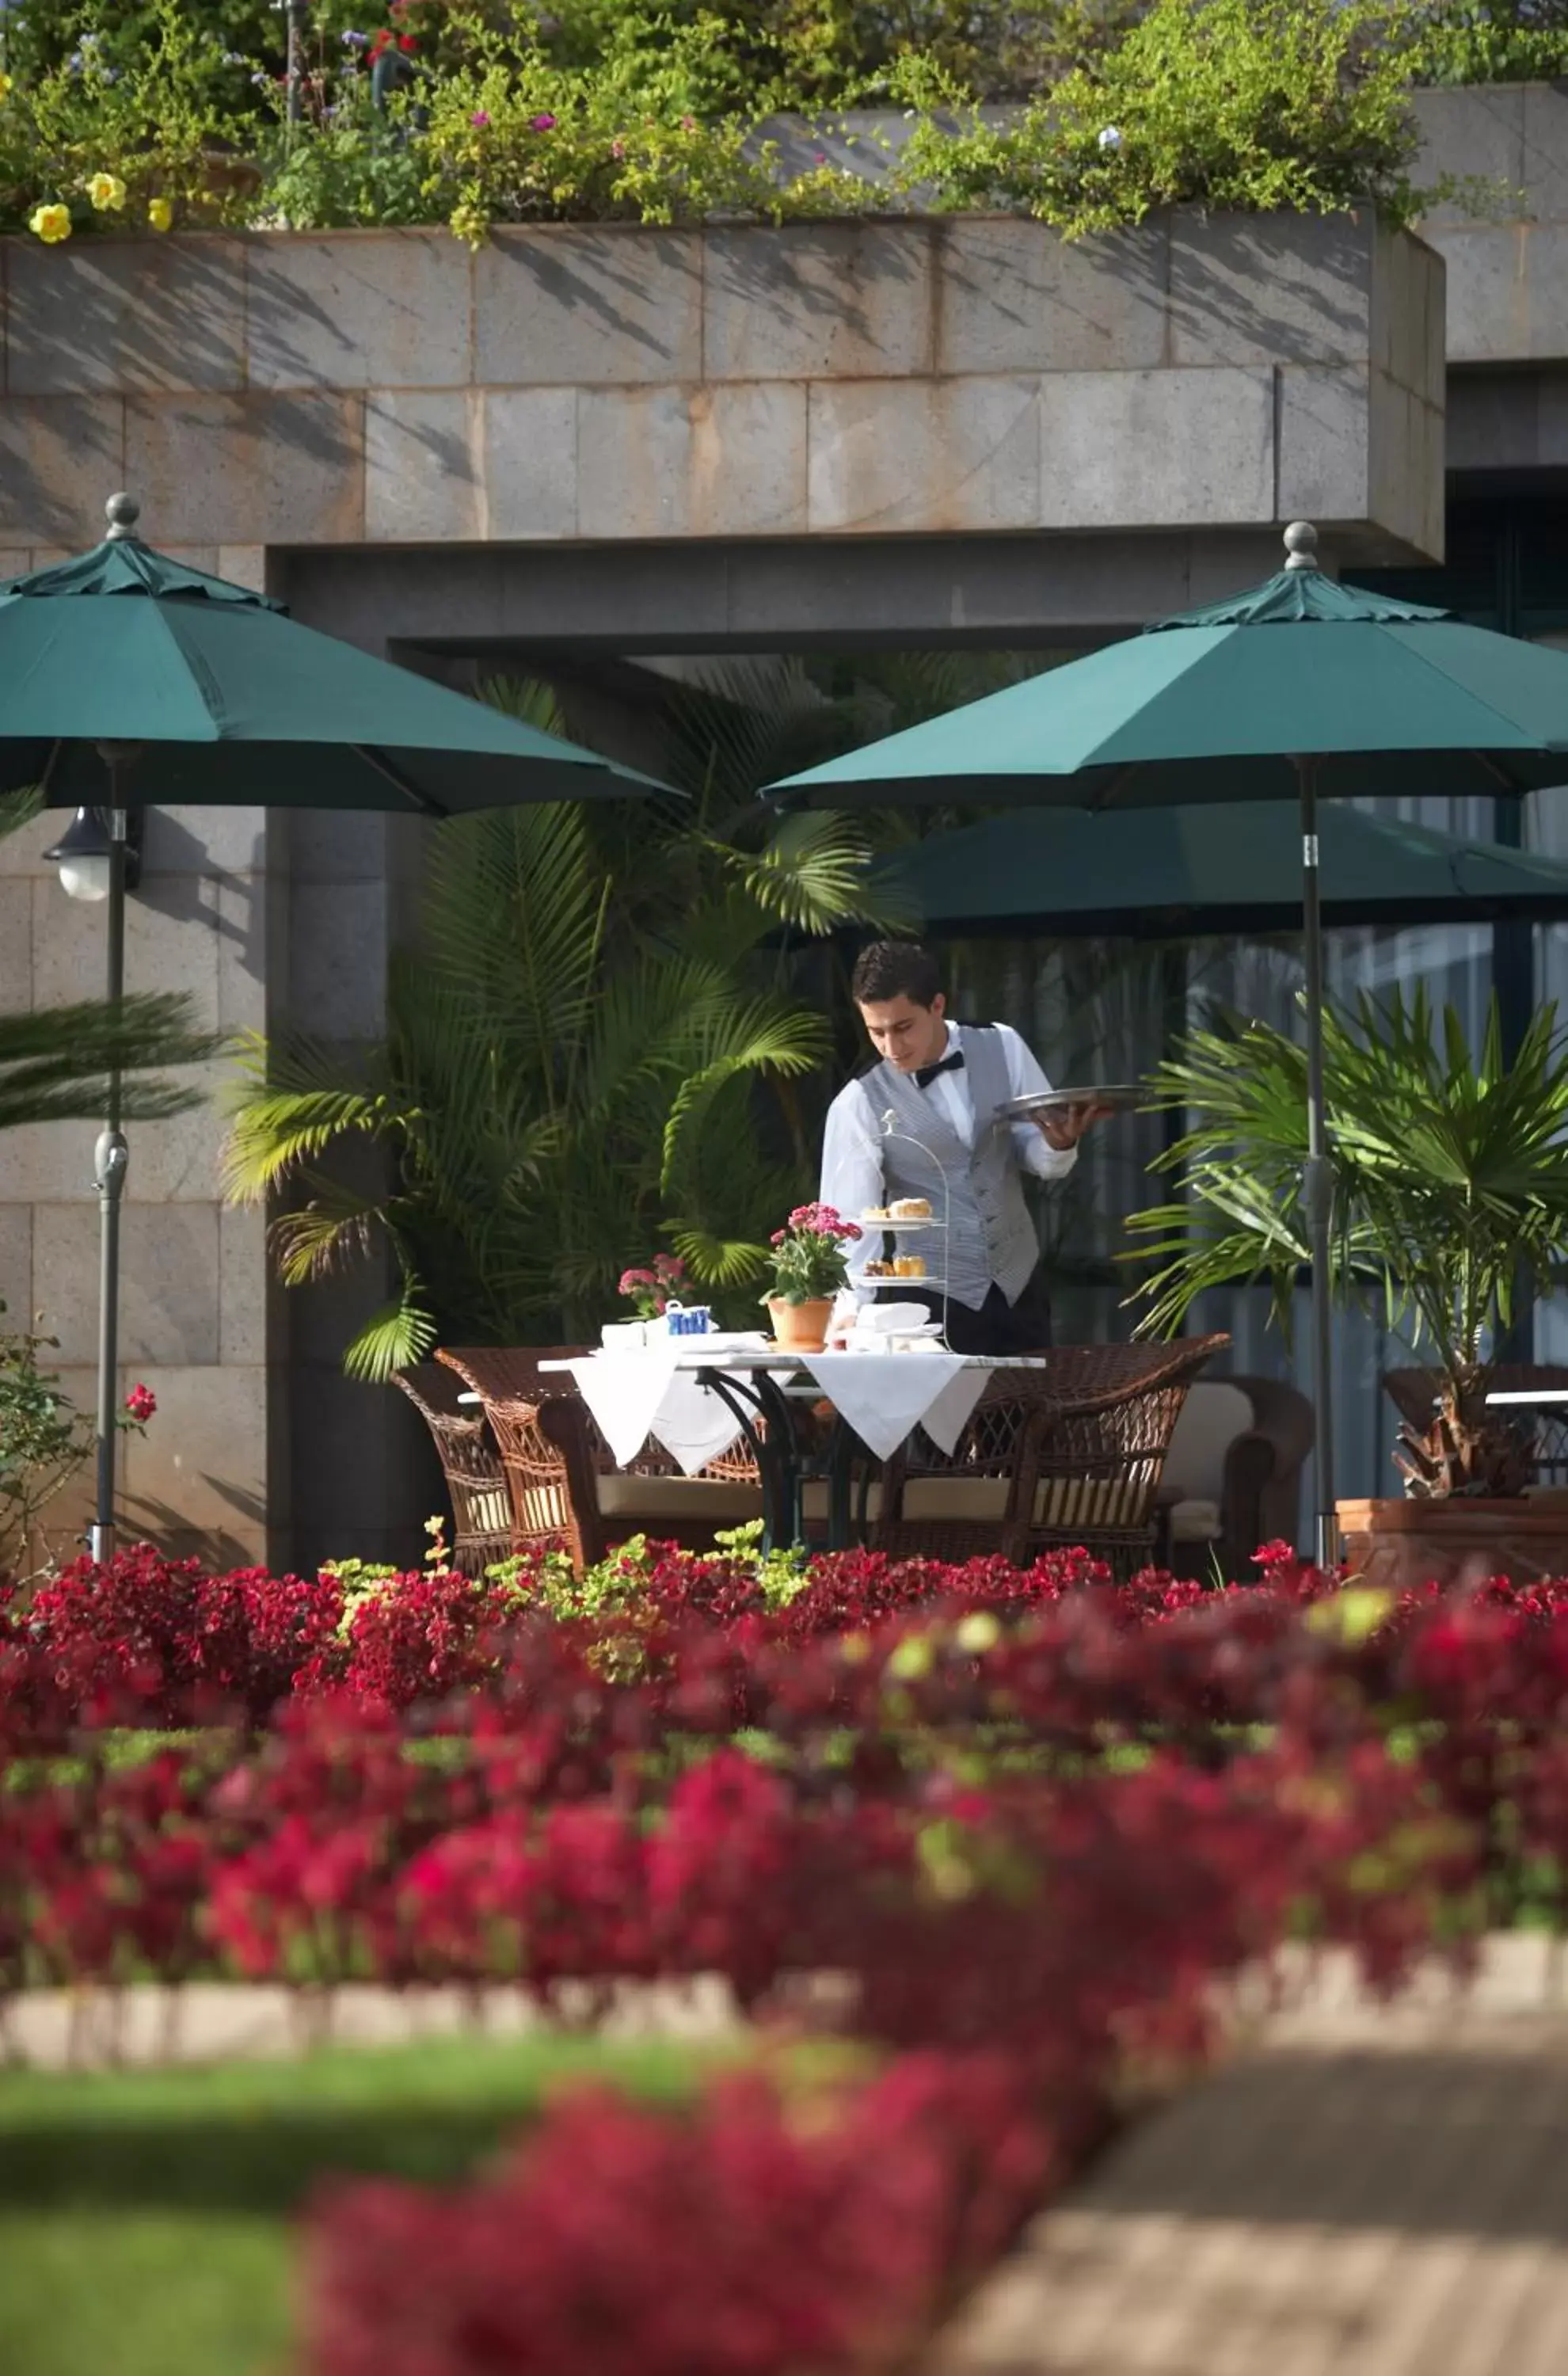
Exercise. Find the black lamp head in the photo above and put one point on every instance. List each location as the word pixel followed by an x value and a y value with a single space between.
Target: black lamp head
pixel 86 844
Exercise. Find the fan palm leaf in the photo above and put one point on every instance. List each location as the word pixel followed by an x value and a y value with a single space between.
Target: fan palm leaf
pixel 1451 1170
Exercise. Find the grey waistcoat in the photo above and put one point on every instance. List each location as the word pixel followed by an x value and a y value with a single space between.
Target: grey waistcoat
pixel 990 1237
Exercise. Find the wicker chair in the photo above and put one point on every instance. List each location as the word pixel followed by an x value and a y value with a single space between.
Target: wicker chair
pixel 1413 1392
pixel 481 1512
pixel 1050 1459
pixel 565 1487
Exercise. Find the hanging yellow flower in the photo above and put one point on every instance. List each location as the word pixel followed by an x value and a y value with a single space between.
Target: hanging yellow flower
pixel 50 223
pixel 161 214
pixel 107 193
pixel 5 86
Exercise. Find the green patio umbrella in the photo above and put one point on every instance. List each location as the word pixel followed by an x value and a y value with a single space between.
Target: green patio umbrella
pixel 1301 685
pixel 1214 868
pixel 127 680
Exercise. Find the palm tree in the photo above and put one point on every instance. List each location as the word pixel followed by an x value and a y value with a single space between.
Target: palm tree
pixel 590 1049
pixel 1451 1194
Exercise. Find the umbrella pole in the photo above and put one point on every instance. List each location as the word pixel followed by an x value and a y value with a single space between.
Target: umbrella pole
pixel 1317 1176
pixel 110 1158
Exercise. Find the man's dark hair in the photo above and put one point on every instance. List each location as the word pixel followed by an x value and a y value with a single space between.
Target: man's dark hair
pixel 895 969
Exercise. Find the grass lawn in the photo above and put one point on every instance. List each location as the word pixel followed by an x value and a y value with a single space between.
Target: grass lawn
pixel 146 2216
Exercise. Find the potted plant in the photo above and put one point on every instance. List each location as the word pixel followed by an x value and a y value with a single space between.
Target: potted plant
pixel 1451 1207
pixel 649 1293
pixel 809 1268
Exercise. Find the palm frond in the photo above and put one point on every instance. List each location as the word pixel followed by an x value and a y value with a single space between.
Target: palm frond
pixel 337 1227
pixel 718 1262
pixel 55 1061
pixel 393 1339
pixel 290 1101
pixel 814 873
pixel 19 808
pixel 1450 1167
pixel 527 700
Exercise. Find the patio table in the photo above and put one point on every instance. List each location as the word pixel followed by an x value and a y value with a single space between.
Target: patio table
pixel 879 1399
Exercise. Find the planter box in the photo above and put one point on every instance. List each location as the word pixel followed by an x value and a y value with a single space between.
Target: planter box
pixel 1395 1546
pixel 620 383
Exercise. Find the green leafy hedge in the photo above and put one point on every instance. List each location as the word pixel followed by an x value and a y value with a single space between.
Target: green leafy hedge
pixel 168 115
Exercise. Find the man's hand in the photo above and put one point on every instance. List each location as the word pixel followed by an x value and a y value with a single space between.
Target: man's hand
pixel 1062 1126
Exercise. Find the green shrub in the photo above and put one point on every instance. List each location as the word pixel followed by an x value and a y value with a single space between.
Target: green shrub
pixel 357 166
pixel 1495 41
pixel 598 113
pixel 43 1441
pixel 656 130
pixel 1244 105
pixel 121 145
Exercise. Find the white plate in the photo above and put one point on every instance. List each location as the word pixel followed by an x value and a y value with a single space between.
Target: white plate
pixel 870 1221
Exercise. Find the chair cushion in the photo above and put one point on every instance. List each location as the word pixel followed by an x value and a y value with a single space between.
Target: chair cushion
pixel 1195 1522
pixel 1066 1502
pixel 813 1503
pixel 965 1498
pixel 962 1499
pixel 700 1500
pixel 1059 1501
pixel 1212 1416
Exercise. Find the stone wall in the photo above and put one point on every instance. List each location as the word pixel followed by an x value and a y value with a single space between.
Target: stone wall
pixel 1507 272
pixel 617 385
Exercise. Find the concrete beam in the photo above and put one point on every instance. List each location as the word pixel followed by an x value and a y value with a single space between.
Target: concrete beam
pixel 616 384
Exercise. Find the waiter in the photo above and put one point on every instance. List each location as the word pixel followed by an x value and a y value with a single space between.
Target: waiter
pixel 944 1083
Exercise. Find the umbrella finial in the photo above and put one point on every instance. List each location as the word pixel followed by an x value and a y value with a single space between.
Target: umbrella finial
pixel 1301 545
pixel 124 512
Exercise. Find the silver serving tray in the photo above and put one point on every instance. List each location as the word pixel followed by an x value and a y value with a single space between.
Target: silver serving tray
pixel 1119 1097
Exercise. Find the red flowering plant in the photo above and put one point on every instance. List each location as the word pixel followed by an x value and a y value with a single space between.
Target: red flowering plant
pixel 761 2231
pixel 808 1261
pixel 649 1291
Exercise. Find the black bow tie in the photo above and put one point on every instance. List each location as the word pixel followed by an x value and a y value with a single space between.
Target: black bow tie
pixel 928 1072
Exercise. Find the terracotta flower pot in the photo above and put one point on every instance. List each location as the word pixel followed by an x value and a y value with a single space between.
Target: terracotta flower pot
pixel 800 1327
pixel 1396 1545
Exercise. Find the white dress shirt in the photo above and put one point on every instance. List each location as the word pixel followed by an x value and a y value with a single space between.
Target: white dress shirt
pixel 852 1153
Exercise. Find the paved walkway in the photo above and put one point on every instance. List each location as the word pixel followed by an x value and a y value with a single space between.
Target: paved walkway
pixel 1363 2192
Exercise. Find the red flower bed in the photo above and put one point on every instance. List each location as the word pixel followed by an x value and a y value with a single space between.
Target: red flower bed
pixel 743 2241
pixel 154 1642
pixel 1025 1818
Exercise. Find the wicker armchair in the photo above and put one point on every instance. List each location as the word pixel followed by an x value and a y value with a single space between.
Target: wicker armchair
pixel 481 1513
pixel 1050 1459
pixel 1413 1392
pixel 566 1488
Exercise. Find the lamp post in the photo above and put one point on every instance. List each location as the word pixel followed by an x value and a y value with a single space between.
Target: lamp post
pixel 99 861
pixel 97 864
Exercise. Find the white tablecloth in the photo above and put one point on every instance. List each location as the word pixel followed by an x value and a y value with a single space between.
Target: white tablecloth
pixel 636 1395
pixel 883 1396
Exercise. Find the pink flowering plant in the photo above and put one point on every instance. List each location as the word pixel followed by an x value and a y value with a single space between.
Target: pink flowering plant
pixel 809 1254
pixel 649 1291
